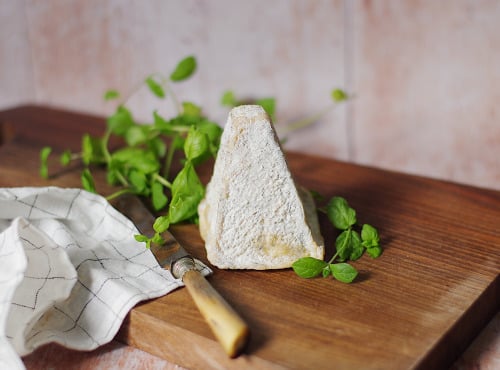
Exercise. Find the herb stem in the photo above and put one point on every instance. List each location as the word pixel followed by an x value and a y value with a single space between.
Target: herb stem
pixel 169 157
pixel 302 123
pixel 105 150
pixel 122 178
pixel 177 105
pixel 131 93
pixel 322 210
pixel 163 181
pixel 119 193
pixel 341 247
pixel 165 83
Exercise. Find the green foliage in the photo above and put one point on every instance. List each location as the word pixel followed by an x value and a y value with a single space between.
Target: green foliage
pixel 88 181
pixel 349 245
pixel 143 163
pixel 228 99
pixel 111 95
pixel 155 87
pixel 309 267
pixel 184 69
pixel 340 214
pixel 44 157
pixel 339 95
pixel 65 158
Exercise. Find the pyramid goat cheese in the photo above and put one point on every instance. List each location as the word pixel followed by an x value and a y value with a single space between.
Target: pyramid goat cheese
pixel 253 215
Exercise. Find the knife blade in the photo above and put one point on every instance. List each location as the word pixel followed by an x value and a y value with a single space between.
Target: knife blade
pixel 228 327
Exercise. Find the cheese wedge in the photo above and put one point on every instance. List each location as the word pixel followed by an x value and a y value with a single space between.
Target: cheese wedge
pixel 253 215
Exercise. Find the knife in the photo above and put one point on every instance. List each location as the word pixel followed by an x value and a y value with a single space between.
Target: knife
pixel 228 327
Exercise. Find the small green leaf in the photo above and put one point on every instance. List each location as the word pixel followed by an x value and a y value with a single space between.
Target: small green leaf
pixel 184 69
pixel 339 95
pixel 88 181
pixel 356 246
pixel 138 180
pixel 65 158
pixel 309 267
pixel 340 214
pixel 92 150
pixel 196 145
pixel 157 146
pixel 158 197
pixel 374 252
pixel 187 192
pixel 228 99
pixel 120 121
pixel 269 105
pixel 137 158
pixel 157 239
pixel 163 125
pixel 161 224
pixel 136 134
pixel 111 94
pixel 343 272
pixel 141 238
pixel 155 87
pixel 343 245
pixel 44 161
pixel 370 237
pixel 191 109
pixel 213 132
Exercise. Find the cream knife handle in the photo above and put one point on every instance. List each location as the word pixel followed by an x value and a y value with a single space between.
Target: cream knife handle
pixel 228 327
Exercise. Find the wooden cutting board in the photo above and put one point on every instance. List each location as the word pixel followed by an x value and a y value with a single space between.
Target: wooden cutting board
pixel 418 306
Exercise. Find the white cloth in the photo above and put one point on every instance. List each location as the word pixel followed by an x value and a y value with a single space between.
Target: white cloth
pixel 70 270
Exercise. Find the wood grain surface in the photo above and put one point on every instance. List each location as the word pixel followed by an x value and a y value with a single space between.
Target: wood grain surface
pixel 418 306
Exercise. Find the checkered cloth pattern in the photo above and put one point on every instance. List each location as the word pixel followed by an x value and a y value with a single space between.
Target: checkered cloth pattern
pixel 70 271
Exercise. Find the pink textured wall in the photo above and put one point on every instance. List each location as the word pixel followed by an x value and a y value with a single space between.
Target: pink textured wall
pixel 426 74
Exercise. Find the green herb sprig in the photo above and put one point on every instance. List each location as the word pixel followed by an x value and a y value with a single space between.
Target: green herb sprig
pixel 142 166
pixel 350 245
pixel 337 95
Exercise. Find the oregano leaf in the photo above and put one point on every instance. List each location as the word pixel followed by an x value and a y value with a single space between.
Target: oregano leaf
pixel 155 87
pixel 374 252
pixel 339 95
pixel 196 145
pixel 111 94
pixel 228 99
pixel 184 69
pixel 340 213
pixel 161 224
pixel 65 158
pixel 308 267
pixel 44 161
pixel 356 247
pixel 370 236
pixel 141 238
pixel 343 245
pixel 158 197
pixel 187 192
pixel 88 181
pixel 343 272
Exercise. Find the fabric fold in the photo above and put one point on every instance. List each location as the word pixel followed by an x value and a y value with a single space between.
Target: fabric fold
pixel 70 270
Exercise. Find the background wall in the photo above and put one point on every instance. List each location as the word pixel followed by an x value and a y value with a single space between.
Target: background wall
pixel 425 74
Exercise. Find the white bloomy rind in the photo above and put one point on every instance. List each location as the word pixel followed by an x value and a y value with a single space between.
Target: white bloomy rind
pixel 253 215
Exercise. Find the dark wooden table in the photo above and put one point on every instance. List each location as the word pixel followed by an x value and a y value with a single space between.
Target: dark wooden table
pixel 418 306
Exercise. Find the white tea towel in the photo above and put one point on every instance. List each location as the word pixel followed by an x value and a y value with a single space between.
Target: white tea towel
pixel 70 270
